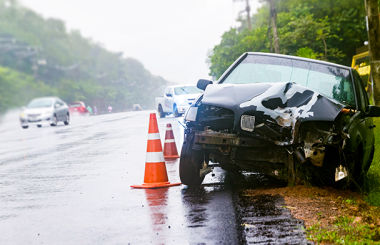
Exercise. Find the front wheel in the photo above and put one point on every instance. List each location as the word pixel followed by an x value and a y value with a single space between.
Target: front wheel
pixel 175 112
pixel 190 163
pixel 55 121
pixel 67 121
pixel 356 173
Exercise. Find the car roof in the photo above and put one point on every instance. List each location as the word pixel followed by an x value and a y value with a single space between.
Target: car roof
pixel 298 58
pixel 46 98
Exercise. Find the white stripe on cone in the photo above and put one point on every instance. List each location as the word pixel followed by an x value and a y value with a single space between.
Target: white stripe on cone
pixel 168 129
pixel 152 157
pixel 154 136
pixel 169 141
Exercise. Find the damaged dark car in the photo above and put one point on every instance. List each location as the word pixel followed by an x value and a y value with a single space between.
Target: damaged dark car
pixel 274 114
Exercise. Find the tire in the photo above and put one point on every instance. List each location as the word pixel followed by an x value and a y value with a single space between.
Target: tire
pixel 67 121
pixel 55 121
pixel 38 125
pixel 161 112
pixel 175 111
pixel 190 163
pixel 25 127
pixel 355 175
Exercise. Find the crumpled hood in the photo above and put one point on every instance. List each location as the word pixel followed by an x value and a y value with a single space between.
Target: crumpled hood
pixel 284 103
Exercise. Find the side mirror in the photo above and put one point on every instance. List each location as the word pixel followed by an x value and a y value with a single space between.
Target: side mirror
pixel 374 111
pixel 203 83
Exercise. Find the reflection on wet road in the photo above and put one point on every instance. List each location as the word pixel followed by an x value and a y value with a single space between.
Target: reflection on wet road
pixel 71 185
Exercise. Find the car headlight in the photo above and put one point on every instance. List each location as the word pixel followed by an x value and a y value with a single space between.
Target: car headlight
pixel 22 114
pixel 247 123
pixel 191 114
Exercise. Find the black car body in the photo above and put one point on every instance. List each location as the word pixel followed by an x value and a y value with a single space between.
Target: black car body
pixel 270 112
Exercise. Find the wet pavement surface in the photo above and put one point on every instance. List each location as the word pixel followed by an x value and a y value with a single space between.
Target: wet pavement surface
pixel 71 185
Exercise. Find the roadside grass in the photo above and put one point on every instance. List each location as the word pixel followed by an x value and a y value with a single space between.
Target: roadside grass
pixel 344 230
pixel 371 186
pixel 360 225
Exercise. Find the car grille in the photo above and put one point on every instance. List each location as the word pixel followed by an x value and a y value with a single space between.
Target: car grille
pixel 216 118
pixel 34 115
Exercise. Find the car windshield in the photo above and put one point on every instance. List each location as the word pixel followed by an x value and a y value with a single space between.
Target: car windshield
pixel 40 103
pixel 186 90
pixel 75 105
pixel 331 81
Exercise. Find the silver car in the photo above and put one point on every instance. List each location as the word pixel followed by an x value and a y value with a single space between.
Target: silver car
pixel 47 110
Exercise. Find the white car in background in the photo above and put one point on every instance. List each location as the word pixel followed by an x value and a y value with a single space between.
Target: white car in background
pixel 177 99
pixel 47 110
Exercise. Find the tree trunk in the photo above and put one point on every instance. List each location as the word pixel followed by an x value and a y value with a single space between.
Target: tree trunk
pixel 372 11
pixel 248 9
pixel 269 34
pixel 274 26
pixel 324 42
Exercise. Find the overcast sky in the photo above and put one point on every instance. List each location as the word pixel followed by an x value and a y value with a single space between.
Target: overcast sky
pixel 170 37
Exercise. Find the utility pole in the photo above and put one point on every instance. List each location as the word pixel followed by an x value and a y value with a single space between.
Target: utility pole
pixel 273 18
pixel 373 28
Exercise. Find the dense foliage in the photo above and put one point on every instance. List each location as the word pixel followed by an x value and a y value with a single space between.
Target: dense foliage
pixel 41 57
pixel 319 29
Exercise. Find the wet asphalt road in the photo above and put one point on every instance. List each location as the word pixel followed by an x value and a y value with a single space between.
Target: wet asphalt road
pixel 71 185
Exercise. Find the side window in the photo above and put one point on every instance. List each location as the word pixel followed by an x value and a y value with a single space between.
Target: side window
pixel 171 91
pixel 363 98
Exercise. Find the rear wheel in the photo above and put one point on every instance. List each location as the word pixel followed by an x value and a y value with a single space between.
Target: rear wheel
pixel 67 121
pixel 39 125
pixel 161 112
pixel 55 121
pixel 190 163
pixel 25 127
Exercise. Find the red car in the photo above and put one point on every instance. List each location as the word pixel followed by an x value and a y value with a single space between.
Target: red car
pixel 78 107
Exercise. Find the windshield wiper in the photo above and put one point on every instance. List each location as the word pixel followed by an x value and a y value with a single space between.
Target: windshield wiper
pixel 184 90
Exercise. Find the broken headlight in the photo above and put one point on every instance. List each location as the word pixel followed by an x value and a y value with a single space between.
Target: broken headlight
pixel 247 123
pixel 191 114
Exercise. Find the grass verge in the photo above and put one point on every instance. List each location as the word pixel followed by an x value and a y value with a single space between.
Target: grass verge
pixel 359 225
pixel 372 183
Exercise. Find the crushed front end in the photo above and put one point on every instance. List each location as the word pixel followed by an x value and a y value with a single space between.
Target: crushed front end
pixel 267 131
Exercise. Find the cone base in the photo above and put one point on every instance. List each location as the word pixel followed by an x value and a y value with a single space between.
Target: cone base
pixel 171 157
pixel 155 185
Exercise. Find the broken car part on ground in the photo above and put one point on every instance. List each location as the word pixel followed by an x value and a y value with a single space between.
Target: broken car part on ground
pixel 273 113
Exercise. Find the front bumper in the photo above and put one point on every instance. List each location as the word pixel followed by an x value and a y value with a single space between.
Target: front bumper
pixel 42 119
pixel 241 148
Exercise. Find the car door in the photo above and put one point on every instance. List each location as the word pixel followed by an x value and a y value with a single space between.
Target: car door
pixel 59 110
pixel 365 126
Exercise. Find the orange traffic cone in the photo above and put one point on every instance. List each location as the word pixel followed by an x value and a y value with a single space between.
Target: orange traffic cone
pixel 170 149
pixel 155 169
